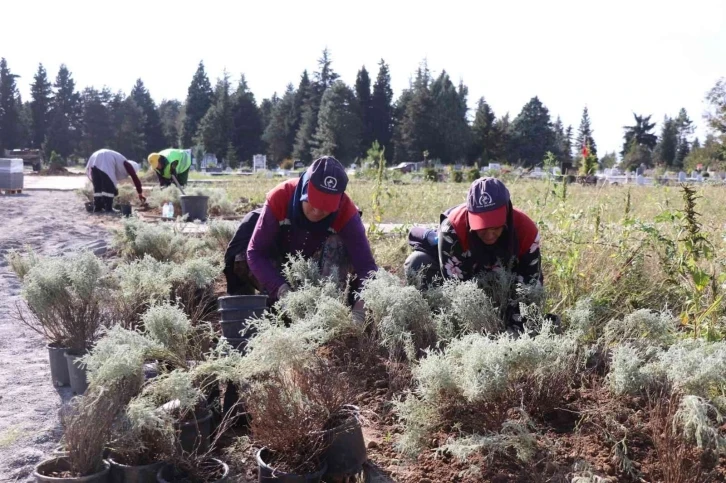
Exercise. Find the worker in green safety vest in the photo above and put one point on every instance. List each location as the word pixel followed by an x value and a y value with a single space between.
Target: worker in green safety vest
pixel 171 162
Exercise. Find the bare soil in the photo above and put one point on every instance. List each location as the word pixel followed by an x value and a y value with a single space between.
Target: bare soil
pixel 51 223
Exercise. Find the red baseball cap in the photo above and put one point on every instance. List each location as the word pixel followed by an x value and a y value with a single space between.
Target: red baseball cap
pixel 487 203
pixel 326 184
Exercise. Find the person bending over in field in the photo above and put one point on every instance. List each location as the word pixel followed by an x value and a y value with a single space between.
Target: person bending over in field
pixel 310 215
pixel 485 233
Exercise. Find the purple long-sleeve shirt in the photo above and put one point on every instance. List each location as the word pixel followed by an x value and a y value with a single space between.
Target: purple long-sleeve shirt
pixel 266 241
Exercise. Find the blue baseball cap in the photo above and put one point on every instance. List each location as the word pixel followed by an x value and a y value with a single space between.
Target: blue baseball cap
pixel 486 203
pixel 327 183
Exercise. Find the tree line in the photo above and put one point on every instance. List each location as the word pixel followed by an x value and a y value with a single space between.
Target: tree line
pixel 323 115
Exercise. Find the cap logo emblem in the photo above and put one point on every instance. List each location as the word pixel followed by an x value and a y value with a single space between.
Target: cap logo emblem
pixel 330 182
pixel 485 200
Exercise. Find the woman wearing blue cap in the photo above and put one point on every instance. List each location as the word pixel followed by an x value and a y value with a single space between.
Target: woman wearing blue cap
pixel 485 233
pixel 310 215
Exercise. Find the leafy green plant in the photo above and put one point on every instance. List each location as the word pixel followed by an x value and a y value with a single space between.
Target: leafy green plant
pixel 473 174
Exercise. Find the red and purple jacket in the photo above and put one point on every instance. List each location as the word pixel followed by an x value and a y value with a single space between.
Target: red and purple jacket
pixel 275 236
pixel 462 254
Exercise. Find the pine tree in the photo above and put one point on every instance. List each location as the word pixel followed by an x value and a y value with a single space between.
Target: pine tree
pixel 665 150
pixel 685 129
pixel 639 134
pixel 199 100
pixel 584 136
pixel 215 127
pixel 339 124
pixel 304 137
pixel 325 76
pixel 567 154
pixel 303 96
pixel 502 136
pixel 154 139
pixel 451 132
pixel 170 113
pixel 97 126
pixel 365 101
pixel 267 106
pixel 25 122
pixel 246 133
pixel 382 110
pixel 532 134
pixel 9 108
pixel 128 121
pixel 278 133
pixel 415 126
pixel 41 92
pixel 65 116
pixel 482 132
pixel 560 141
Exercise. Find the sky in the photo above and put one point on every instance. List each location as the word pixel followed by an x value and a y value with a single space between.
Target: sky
pixel 615 57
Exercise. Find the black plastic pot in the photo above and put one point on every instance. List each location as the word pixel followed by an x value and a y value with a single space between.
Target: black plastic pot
pixel 61 464
pixel 121 473
pixel 267 474
pixel 151 370
pixel 89 206
pixel 346 451
pixel 195 207
pixel 58 365
pixel 239 343
pixel 169 474
pixel 242 302
pixel 125 210
pixel 76 373
pixel 194 434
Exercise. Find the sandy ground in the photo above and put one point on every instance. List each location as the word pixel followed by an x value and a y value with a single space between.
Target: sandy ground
pixel 51 223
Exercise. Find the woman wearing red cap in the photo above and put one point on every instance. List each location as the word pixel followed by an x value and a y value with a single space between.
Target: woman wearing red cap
pixel 485 233
pixel 310 215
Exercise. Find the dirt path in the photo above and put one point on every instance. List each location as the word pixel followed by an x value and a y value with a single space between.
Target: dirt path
pixel 51 223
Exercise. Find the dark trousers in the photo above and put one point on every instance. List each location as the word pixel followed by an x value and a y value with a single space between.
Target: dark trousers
pixel 104 190
pixel 424 265
pixel 240 280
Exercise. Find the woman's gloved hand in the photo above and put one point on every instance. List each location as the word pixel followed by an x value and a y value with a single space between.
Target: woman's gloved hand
pixel 283 290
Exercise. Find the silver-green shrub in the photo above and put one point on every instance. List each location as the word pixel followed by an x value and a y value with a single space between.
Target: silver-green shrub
pixel 465 309
pixel 66 295
pixel 642 327
pixel 169 326
pixel 220 233
pixel 479 369
pixel 516 434
pixel 160 241
pixel 400 313
pixel 21 263
pixel 694 420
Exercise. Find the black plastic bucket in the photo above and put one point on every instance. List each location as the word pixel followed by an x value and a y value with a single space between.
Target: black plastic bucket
pixel 195 207
pixel 121 473
pixel 169 474
pixel 242 302
pixel 58 365
pixel 346 450
pixel 194 434
pixel 76 373
pixel 61 464
pixel 268 474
